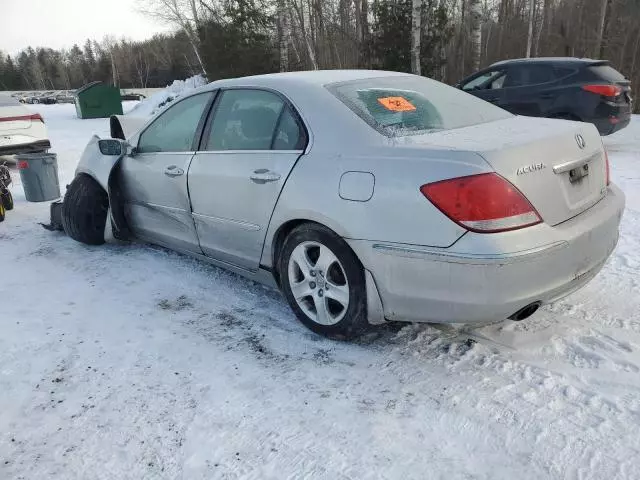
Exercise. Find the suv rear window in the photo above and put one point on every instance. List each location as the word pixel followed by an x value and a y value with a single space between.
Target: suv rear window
pixel 400 106
pixel 605 72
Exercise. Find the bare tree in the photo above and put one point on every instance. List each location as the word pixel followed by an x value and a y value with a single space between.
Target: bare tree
pixel 532 14
pixel 542 19
pixel 604 5
pixel 285 34
pixel 475 14
pixel 365 58
pixel 416 36
pixel 184 14
pixel 142 67
pixel 301 18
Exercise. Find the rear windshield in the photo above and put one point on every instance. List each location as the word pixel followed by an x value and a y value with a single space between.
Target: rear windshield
pixel 605 72
pixel 399 106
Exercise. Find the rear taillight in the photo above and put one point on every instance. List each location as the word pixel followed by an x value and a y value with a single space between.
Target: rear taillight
pixel 35 116
pixel 485 203
pixel 606 162
pixel 604 90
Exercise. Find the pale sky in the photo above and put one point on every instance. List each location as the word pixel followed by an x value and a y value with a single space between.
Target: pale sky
pixel 61 23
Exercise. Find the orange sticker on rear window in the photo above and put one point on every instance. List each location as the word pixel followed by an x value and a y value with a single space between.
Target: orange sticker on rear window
pixel 397 104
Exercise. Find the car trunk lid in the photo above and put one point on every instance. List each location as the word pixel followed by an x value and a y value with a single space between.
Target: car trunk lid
pixel 15 118
pixel 558 165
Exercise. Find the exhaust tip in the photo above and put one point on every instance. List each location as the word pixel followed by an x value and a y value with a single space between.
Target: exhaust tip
pixel 525 312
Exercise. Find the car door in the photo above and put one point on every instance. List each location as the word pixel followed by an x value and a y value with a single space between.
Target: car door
pixel 487 85
pixel 530 89
pixel 250 145
pixel 154 177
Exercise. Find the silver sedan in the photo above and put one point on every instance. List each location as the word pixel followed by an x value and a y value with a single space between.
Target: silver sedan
pixel 364 196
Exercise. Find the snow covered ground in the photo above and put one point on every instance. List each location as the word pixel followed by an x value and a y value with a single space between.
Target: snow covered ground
pixel 132 362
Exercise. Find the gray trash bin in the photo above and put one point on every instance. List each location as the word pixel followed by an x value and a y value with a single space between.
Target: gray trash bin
pixel 39 175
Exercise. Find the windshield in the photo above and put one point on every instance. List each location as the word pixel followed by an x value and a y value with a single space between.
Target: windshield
pixel 398 106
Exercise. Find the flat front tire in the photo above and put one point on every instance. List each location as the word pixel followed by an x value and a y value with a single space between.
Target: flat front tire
pixel 84 211
pixel 323 281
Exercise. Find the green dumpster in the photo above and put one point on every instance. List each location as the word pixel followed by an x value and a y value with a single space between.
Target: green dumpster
pixel 98 100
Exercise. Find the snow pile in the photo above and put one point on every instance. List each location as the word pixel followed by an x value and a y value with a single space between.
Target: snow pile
pixel 106 371
pixel 155 102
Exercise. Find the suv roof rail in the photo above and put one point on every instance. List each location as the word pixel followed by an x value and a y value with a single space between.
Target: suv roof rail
pixel 589 61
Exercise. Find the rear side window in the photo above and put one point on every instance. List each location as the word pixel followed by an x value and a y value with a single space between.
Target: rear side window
pixel 605 72
pixel 290 134
pixel 399 106
pixel 248 119
pixel 562 72
pixel 525 75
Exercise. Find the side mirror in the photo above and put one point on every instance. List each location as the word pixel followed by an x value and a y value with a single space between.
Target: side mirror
pixel 112 146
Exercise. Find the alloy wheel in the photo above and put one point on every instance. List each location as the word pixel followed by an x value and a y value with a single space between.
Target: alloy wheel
pixel 318 283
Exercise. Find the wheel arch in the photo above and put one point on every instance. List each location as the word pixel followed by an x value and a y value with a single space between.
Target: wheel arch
pixel 278 241
pixel 375 310
pixel 283 232
pixel 278 233
pixel 87 173
pixel 105 170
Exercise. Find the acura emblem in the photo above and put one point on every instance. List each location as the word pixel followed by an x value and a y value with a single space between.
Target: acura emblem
pixel 530 168
pixel 580 141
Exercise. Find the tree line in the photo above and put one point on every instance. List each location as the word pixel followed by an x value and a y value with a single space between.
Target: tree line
pixel 442 39
pixel 152 63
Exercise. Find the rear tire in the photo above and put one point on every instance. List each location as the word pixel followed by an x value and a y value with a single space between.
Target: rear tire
pixel 328 280
pixel 84 211
pixel 7 200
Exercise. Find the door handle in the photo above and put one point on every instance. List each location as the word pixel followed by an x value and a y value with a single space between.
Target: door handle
pixel 173 171
pixel 262 175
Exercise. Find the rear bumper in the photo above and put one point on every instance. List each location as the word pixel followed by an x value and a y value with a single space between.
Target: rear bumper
pixel 423 284
pixel 611 119
pixel 32 147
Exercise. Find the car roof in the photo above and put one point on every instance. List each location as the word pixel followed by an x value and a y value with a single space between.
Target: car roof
pixel 550 60
pixel 314 77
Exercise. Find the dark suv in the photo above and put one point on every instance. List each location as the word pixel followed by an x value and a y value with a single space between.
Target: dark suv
pixel 570 88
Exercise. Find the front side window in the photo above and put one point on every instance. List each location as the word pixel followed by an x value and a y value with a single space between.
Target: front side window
pixel 175 128
pixel 398 106
pixel 253 120
pixel 486 80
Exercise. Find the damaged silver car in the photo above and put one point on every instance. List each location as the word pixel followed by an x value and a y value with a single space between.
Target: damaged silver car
pixel 364 196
